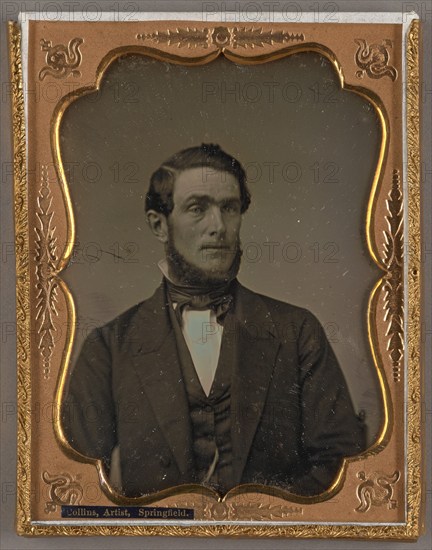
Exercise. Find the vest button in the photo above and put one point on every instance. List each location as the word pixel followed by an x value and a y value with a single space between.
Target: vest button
pixel 209 409
pixel 165 461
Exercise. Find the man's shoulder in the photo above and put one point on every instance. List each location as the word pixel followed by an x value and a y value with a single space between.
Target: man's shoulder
pixel 132 317
pixel 123 320
pixel 274 306
pixel 282 319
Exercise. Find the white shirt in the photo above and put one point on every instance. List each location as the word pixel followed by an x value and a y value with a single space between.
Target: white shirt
pixel 203 336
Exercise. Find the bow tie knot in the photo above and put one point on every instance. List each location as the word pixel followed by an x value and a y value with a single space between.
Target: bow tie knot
pixel 220 300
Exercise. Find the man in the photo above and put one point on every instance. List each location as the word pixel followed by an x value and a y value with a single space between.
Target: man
pixel 206 381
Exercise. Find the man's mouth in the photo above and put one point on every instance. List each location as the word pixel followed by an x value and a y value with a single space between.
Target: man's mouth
pixel 215 246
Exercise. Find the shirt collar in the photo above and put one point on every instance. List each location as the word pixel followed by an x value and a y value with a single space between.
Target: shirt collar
pixel 163 266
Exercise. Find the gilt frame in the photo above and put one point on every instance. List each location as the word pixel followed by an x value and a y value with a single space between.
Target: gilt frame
pixel 394 213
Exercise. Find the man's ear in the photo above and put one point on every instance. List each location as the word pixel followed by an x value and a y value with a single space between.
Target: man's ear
pixel 158 224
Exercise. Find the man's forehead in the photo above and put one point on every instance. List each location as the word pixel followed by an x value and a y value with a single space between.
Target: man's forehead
pixel 204 180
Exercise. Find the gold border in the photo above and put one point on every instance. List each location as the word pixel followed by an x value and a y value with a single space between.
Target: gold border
pixel 409 530
pixel 415 504
pixel 374 100
pixel 23 280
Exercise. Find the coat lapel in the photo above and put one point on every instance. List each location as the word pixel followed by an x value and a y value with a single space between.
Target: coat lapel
pixel 157 366
pixel 257 347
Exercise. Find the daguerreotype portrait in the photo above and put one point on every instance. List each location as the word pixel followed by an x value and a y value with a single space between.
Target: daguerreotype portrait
pixel 218 276
pixel 259 400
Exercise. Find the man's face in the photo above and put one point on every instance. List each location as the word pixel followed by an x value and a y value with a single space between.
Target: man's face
pixel 205 222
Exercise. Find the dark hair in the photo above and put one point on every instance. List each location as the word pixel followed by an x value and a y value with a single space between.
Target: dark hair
pixel 160 193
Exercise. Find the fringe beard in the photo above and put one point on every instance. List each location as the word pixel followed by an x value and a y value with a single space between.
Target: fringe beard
pixel 188 274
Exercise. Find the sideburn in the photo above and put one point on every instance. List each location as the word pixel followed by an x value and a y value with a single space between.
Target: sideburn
pixel 188 274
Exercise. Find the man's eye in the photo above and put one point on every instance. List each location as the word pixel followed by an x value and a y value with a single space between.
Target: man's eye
pixel 196 209
pixel 231 208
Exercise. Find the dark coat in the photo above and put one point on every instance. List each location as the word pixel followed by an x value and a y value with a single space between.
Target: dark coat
pixel 292 420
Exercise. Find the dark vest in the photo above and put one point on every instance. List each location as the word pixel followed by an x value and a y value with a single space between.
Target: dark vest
pixel 210 416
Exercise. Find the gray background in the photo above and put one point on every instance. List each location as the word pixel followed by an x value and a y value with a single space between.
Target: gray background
pixel 109 308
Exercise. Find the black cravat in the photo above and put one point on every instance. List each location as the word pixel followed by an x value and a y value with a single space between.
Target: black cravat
pixel 218 298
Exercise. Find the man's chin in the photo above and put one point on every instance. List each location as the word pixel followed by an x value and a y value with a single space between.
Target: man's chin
pixel 208 274
pixel 211 271
pixel 215 275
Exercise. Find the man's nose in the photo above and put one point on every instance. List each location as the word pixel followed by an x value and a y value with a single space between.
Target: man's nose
pixel 216 224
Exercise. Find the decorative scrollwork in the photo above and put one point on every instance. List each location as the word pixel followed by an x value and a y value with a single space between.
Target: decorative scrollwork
pixel 415 440
pixel 249 508
pixel 251 511
pixel 393 286
pixel 46 261
pixel 63 490
pixel 61 60
pixel 376 490
pixel 22 276
pixel 373 60
pixel 221 37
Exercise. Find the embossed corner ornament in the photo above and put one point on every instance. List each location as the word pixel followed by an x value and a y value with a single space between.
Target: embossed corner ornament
pixel 373 60
pixel 63 490
pixel 376 490
pixel 221 37
pixel 61 61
